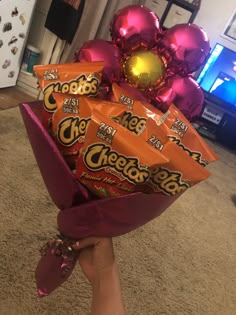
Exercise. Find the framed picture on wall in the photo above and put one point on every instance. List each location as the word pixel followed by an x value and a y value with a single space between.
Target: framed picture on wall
pixel 230 29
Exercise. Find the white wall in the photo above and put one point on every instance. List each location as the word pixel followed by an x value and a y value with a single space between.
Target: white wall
pixel 213 17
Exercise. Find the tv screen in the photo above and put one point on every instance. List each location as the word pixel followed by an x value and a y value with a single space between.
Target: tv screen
pixel 218 76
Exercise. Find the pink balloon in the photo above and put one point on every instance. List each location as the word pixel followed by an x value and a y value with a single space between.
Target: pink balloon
pixel 186 46
pixel 133 27
pixel 162 98
pixel 189 97
pixel 101 50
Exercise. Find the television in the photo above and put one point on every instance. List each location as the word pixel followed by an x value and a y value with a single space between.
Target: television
pixel 217 78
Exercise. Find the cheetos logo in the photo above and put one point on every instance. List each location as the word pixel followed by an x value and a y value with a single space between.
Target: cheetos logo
pixel 99 156
pixel 169 182
pixel 197 156
pixel 72 129
pixel 82 85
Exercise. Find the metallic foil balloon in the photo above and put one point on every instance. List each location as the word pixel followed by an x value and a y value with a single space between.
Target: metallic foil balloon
pixel 144 69
pixel 133 27
pixel 162 98
pixel 101 50
pixel 188 46
pixel 154 65
pixel 189 97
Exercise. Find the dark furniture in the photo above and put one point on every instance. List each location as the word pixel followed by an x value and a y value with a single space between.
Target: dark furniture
pixel 179 11
pixel 218 123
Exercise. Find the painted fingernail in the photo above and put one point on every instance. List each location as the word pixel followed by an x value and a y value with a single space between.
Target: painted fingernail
pixel 76 245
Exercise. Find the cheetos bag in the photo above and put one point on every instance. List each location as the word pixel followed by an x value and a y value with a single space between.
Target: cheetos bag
pixel 71 119
pixel 73 78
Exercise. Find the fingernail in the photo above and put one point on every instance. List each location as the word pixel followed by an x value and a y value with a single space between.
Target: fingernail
pixel 76 245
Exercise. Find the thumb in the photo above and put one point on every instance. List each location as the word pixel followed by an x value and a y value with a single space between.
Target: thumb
pixel 86 242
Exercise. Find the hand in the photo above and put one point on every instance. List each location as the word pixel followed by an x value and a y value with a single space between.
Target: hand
pixel 97 261
pixel 96 256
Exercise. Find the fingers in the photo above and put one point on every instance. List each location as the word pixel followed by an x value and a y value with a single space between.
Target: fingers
pixel 86 242
pixel 93 241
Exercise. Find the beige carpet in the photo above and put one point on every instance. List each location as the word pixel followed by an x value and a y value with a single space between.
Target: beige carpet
pixel 183 262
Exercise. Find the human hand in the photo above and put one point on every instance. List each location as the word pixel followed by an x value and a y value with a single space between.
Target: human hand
pixel 96 257
pixel 97 261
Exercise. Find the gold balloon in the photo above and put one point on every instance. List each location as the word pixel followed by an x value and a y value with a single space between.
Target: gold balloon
pixel 144 69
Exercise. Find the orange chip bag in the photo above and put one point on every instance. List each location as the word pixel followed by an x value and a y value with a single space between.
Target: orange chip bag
pixel 71 119
pixel 122 96
pixel 73 78
pixel 181 172
pixel 137 112
pixel 181 132
pixel 114 161
pixel 178 128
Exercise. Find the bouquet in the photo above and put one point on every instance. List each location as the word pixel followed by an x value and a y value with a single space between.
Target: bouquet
pixel 112 137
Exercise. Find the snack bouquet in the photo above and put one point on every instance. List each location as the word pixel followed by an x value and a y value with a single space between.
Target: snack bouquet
pixel 111 140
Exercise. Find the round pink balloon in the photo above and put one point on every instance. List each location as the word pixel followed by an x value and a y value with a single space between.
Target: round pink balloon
pixel 133 27
pixel 162 98
pixel 188 46
pixel 189 97
pixel 101 50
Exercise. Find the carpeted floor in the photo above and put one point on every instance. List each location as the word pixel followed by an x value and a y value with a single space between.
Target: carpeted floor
pixel 182 263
